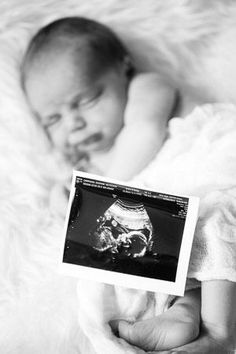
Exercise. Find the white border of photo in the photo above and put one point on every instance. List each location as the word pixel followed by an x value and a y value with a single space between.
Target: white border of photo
pixel 132 281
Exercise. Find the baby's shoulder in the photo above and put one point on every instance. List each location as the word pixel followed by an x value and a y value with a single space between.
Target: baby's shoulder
pixel 150 96
pixel 146 84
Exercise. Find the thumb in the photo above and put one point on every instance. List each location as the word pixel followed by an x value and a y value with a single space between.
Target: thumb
pixel 138 333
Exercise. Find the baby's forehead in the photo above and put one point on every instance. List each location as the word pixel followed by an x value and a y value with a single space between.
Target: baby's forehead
pixel 57 66
pixel 64 59
pixel 52 81
pixel 77 56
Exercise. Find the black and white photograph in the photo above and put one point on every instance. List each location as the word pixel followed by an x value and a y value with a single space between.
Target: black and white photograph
pixel 136 253
pixel 126 235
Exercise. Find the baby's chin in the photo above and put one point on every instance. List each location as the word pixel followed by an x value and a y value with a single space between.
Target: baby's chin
pixel 75 157
pixel 96 144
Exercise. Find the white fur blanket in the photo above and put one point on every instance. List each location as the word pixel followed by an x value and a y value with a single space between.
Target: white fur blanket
pixel 39 307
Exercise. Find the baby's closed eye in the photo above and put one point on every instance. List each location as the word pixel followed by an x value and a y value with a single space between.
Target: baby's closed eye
pixel 88 99
pixel 52 119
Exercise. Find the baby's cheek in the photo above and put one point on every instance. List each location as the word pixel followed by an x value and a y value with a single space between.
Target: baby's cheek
pixel 60 144
pixel 59 140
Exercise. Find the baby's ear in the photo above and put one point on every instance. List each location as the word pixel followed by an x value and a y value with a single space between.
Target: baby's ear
pixel 128 66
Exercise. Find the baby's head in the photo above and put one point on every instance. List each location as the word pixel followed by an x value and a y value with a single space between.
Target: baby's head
pixel 75 74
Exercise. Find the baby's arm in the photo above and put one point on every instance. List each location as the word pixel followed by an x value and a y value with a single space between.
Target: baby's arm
pixel 219 311
pixel 150 103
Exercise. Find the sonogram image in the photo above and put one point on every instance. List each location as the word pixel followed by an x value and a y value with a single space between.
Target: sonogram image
pixel 124 228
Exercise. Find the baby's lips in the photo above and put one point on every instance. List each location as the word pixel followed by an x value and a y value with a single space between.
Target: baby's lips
pixel 94 138
pixel 75 139
pixel 90 143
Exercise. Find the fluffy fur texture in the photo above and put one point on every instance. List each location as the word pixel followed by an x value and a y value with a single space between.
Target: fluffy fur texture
pixel 38 306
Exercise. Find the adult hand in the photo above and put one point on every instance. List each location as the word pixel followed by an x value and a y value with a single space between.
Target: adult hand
pixel 204 344
pixel 143 334
pixel 177 326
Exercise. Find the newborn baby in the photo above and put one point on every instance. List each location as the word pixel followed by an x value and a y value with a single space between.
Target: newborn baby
pixel 94 105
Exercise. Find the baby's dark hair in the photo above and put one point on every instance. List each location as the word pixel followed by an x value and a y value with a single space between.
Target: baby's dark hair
pixel 92 45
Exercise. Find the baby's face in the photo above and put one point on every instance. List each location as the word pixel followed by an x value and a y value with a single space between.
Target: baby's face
pixel 77 119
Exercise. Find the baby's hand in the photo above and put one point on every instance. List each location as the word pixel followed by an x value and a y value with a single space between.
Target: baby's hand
pixel 58 200
pixel 74 156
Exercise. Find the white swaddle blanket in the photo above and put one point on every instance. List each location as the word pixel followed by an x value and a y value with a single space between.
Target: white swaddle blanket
pixel 198 158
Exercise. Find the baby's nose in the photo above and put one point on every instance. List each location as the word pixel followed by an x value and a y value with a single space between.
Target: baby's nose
pixel 79 122
pixel 76 122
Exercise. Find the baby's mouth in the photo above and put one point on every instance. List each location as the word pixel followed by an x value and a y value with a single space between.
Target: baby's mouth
pixel 95 138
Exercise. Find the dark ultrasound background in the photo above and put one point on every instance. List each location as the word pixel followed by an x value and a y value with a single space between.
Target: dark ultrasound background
pixel 90 203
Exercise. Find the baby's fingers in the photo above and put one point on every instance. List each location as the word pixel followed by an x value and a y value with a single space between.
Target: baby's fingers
pixel 141 333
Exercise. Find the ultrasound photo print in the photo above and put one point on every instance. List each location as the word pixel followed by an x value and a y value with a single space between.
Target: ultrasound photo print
pixel 124 235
